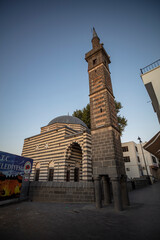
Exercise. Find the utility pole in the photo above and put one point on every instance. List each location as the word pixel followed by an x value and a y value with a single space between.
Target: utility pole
pixel 144 160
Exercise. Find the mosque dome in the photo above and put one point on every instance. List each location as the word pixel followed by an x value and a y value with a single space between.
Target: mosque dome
pixel 68 120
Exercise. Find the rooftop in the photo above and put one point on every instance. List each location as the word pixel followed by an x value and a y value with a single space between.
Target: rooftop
pixel 68 120
pixel 150 67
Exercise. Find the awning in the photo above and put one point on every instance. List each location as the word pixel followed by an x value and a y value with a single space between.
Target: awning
pixel 153 145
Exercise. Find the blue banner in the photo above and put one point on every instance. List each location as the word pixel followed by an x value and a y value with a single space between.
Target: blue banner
pixel 13 169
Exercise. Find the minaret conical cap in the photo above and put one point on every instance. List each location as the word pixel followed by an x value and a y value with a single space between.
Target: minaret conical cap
pixel 94 33
pixel 95 39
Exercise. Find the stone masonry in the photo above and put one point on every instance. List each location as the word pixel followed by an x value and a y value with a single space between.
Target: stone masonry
pixel 107 156
pixel 62 192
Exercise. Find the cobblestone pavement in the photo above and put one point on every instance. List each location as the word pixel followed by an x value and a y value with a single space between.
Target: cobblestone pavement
pixel 56 221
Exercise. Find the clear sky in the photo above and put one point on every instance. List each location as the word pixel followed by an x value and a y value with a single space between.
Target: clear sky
pixel 43 73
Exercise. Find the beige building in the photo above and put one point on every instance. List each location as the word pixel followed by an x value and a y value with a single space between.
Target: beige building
pixel 135 161
pixel 151 79
pixel 61 152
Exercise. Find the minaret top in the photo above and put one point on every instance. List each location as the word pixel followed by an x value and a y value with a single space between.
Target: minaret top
pixel 96 47
pixel 94 33
pixel 95 39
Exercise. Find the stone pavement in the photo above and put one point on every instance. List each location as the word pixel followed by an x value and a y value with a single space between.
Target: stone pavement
pixel 56 221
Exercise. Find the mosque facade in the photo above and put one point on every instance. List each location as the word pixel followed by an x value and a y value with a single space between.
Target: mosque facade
pixel 61 152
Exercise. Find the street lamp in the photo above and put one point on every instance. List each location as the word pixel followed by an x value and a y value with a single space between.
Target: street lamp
pixel 144 160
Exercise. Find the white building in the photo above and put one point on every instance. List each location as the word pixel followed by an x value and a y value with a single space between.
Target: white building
pixel 136 161
pixel 132 161
pixel 151 79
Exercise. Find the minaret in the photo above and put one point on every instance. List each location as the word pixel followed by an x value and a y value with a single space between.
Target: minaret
pixel 107 156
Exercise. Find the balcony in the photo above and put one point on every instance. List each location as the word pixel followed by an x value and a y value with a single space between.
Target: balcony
pixel 150 67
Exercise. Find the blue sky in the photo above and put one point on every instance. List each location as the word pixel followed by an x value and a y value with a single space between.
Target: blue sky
pixel 43 73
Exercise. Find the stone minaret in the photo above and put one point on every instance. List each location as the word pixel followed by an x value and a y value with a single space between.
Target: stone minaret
pixel 107 156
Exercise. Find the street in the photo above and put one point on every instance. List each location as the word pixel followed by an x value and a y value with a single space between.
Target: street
pixel 56 221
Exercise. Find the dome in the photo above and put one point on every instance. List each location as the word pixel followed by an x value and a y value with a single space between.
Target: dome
pixel 68 120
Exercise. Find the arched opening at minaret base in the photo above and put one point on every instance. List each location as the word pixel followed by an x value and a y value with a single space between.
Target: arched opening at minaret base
pixel 111 189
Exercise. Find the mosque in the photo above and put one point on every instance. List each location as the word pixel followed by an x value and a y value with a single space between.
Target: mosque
pixel 61 152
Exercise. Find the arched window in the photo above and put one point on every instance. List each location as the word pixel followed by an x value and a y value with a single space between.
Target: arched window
pixel 51 174
pixel 37 172
pixel 76 174
pixel 68 176
pixel 51 171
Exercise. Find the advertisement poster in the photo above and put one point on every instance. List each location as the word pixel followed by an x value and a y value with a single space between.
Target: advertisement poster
pixel 13 169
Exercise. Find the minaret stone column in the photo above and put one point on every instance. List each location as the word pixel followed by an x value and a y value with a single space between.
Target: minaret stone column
pixel 125 197
pixel 98 192
pixel 116 188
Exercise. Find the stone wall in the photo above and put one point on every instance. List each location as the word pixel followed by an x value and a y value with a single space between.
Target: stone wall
pixel 76 192
pixel 71 192
pixel 140 183
pixel 137 183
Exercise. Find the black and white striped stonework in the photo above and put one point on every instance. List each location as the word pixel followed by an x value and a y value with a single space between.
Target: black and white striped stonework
pixel 63 147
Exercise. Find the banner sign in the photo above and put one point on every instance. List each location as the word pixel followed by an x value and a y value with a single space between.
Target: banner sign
pixel 13 169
